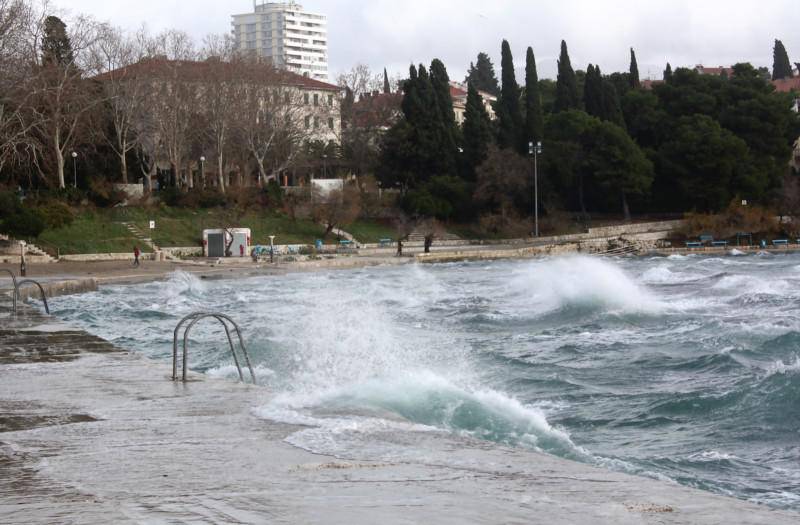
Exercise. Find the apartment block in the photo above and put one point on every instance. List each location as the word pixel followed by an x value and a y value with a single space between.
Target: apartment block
pixel 287 35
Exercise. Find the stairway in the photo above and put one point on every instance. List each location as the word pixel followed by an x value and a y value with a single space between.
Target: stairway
pixel 137 233
pixel 32 249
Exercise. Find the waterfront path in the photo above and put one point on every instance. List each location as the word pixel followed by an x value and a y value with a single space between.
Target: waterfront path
pixel 91 434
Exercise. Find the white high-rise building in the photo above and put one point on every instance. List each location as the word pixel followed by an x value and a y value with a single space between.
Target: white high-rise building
pixel 290 37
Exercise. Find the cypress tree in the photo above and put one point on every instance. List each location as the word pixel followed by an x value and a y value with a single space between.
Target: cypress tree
pixel 534 122
pixel 411 104
pixel 387 87
pixel 56 45
pixel 612 107
pixel 477 132
pixel 635 81
pixel 566 84
pixel 445 120
pixel 668 73
pixel 781 67
pixel 509 115
pixel 593 92
pixel 482 75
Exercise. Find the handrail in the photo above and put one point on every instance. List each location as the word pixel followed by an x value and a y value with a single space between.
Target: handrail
pixel 195 318
pixel 41 289
pixel 15 292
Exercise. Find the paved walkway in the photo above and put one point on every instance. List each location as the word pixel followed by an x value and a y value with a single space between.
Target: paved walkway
pixel 90 434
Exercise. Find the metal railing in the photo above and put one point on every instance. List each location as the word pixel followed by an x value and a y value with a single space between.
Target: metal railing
pixel 195 318
pixel 15 291
pixel 20 284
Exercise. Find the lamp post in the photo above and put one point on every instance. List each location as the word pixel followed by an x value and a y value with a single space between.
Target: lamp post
pixel 534 150
pixel 74 169
pixel 325 166
pixel 203 171
pixel 271 249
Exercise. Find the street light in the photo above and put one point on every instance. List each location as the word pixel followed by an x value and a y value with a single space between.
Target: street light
pixel 324 166
pixel 74 170
pixel 534 150
pixel 271 249
pixel 203 170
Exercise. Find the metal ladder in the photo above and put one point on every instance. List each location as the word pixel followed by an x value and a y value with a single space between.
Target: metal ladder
pixel 195 318
pixel 20 284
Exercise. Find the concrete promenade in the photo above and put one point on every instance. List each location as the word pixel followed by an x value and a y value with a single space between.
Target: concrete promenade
pixel 91 434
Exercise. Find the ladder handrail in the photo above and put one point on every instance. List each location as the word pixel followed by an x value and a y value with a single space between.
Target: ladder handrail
pixel 15 292
pixel 195 318
pixel 41 289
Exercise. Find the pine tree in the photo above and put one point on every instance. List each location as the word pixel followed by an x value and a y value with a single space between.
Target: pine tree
pixel 56 45
pixel 477 133
pixel 387 87
pixel 593 92
pixel 482 75
pixel 534 121
pixel 566 84
pixel 635 81
pixel 781 67
pixel 668 73
pixel 509 115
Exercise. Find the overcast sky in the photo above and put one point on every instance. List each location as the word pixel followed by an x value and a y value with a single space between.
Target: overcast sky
pixel 395 33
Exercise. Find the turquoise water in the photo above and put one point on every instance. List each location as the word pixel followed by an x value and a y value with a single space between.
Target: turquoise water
pixel 686 369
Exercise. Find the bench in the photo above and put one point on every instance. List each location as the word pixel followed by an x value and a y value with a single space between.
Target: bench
pixel 694 244
pixel 345 243
pixel 780 242
pixel 385 243
pixel 720 244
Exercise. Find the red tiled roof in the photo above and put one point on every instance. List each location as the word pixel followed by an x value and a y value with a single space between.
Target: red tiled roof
pixel 199 70
pixel 716 71
pixel 456 91
pixel 787 84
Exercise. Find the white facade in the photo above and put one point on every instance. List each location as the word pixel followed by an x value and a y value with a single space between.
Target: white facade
pixel 284 33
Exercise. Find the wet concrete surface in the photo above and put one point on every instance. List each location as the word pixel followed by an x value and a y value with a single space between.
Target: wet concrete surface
pixel 105 437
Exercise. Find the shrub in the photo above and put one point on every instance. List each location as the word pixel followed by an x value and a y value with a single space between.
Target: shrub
pixel 735 219
pixel 18 220
pixel 56 214
pixel 103 194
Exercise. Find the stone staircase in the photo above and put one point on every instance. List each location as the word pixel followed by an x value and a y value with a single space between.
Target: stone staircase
pixel 32 249
pixel 137 233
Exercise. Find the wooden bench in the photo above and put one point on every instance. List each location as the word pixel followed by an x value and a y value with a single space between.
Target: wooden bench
pixel 385 243
pixel 719 244
pixel 780 242
pixel 694 244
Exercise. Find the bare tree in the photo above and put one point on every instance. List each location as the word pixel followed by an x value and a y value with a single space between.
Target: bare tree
pixel 360 80
pixel 64 98
pixel 337 208
pixel 268 112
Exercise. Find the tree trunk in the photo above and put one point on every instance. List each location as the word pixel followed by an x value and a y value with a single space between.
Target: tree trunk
pixel 123 161
pixel 59 161
pixel 221 172
pixel 625 208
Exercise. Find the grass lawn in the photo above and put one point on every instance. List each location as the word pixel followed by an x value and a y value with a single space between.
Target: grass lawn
pixel 92 233
pixel 370 231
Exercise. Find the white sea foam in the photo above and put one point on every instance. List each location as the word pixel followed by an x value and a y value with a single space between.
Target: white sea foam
pixel 583 281
pixel 782 368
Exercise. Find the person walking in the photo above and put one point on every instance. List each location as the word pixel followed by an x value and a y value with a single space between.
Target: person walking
pixel 400 248
pixel 136 254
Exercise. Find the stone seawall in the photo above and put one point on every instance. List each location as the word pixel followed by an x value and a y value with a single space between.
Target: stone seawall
pixel 58 288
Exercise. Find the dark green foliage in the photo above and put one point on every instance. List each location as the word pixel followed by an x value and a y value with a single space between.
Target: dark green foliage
pixel 387 87
pixel 477 132
pixel 668 73
pixel 644 118
pixel 503 181
pixel 56 214
pixel 612 109
pixel 509 114
pixel 19 220
pixel 56 45
pixel 443 197
pixel 703 166
pixel 482 75
pixel 593 92
pixel 566 84
pixel 621 81
pixel 534 120
pixel 634 72
pixel 781 67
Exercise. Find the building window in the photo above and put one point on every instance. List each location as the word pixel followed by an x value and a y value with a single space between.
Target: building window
pixel 316 99
pixel 308 122
pixel 330 124
pixel 316 122
pixel 305 98
pixel 286 98
pixel 330 100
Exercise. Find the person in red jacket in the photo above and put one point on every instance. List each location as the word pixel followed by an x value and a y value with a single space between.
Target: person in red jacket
pixel 136 254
